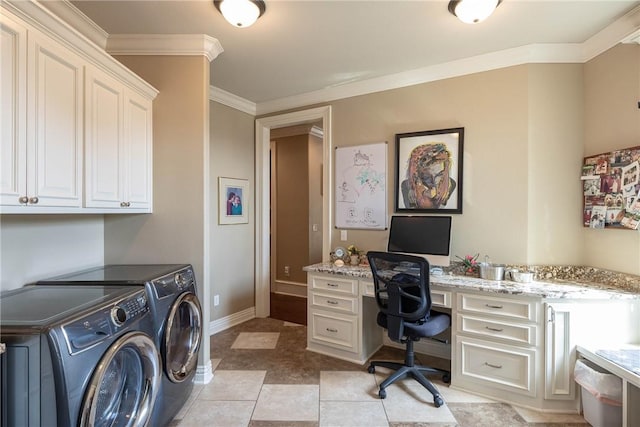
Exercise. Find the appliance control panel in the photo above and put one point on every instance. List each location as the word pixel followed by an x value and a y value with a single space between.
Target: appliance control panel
pixel 174 283
pixel 90 330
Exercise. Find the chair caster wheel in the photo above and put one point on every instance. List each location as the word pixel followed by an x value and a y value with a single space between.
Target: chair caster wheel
pixel 371 369
pixel 382 393
pixel 446 378
pixel 438 402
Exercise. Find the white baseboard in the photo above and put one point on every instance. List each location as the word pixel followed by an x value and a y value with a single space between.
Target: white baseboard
pixel 234 319
pixel 204 373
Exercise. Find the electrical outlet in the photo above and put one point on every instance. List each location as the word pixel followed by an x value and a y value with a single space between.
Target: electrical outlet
pixel 216 300
pixel 286 270
pixel 343 235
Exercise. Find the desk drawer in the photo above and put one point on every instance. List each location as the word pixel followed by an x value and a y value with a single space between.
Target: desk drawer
pixel 510 332
pixel 337 285
pixel 335 302
pixel 440 298
pixel 503 366
pixel 334 330
pixel 519 309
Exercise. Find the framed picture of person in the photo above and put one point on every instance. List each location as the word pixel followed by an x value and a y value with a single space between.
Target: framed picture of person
pixel 233 194
pixel 429 171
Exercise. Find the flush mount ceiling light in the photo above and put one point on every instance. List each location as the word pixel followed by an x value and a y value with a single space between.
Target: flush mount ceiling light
pixel 241 13
pixel 473 11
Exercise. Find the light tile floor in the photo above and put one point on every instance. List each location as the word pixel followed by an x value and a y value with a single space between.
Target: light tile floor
pixel 264 377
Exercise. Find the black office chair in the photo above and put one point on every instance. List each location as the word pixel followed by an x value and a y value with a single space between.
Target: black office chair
pixel 404 299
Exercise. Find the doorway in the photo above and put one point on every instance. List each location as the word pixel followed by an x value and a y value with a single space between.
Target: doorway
pixel 296 216
pixel 263 190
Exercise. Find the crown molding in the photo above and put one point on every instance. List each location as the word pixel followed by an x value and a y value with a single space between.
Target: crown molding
pixel 301 129
pixel 164 44
pixel 633 38
pixel 539 53
pixel 230 100
pixel 73 16
pixel 622 30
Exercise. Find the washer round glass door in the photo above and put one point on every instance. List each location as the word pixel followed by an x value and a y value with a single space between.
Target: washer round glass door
pixel 182 337
pixel 124 387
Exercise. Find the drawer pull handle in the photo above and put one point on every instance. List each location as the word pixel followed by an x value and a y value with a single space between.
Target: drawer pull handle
pixel 332 330
pixel 332 302
pixel 493 366
pixel 332 285
pixel 493 306
pixel 494 329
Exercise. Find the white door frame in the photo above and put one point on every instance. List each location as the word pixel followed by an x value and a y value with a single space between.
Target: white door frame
pixel 263 178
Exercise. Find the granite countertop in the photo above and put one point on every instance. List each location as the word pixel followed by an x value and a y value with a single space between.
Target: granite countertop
pixel 552 289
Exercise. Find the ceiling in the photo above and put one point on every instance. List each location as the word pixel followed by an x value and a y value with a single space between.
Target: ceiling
pixel 299 47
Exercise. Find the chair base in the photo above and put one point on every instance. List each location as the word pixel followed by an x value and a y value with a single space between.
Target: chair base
pixel 417 372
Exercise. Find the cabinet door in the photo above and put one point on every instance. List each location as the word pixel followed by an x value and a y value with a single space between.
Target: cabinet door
pixel 54 136
pixel 13 90
pixel 104 99
pixel 137 163
pixel 559 357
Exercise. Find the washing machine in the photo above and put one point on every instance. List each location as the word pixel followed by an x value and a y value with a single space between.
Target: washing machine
pixel 178 322
pixel 78 356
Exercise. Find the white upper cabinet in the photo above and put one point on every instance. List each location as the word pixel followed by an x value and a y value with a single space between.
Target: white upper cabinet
pixel 138 143
pixel 118 144
pixel 13 91
pixel 54 124
pixel 76 124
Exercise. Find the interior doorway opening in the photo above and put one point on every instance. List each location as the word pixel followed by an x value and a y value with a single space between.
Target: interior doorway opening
pixel 296 216
pixel 264 126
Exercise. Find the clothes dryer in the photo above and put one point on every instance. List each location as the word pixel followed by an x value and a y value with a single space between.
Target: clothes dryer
pixel 78 356
pixel 178 322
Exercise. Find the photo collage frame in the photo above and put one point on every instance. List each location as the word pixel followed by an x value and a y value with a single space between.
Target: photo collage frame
pixel 611 189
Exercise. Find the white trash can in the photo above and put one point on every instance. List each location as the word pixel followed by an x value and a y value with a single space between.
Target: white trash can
pixel 601 395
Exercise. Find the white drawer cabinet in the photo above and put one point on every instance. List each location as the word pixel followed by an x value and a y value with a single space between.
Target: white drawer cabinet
pixel 507 367
pixel 341 317
pixel 334 330
pixel 496 344
pixel 502 307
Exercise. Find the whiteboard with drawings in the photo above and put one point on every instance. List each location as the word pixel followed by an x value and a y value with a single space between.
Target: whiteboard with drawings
pixel 361 186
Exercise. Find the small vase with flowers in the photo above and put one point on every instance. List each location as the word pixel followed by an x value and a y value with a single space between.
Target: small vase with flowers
pixel 470 264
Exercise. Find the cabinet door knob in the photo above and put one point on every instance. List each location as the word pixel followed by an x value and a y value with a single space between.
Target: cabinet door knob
pixel 123 204
pixel 33 200
pixel 24 200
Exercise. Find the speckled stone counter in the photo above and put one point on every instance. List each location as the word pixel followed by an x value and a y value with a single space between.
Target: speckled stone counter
pixel 557 288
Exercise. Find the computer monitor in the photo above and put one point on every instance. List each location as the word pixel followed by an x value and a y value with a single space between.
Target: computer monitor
pixel 425 236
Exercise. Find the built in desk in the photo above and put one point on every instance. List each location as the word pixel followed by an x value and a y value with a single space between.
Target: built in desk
pixel 513 342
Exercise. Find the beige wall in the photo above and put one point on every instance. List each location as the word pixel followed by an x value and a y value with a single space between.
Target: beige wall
pixel 175 232
pixel 493 109
pixel 612 121
pixel 555 121
pixel 34 247
pixel 232 246
pixel 524 136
